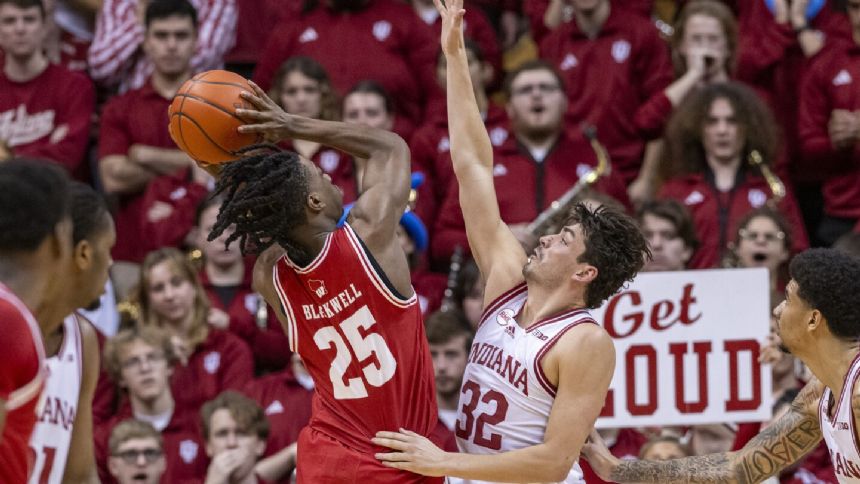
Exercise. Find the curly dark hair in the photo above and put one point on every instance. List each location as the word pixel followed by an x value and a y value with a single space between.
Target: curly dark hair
pixel 613 244
pixel 264 196
pixel 829 281
pixel 34 198
pixel 684 131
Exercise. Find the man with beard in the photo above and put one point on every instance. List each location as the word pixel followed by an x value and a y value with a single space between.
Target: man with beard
pixel 535 166
pixel 818 323
pixel 65 420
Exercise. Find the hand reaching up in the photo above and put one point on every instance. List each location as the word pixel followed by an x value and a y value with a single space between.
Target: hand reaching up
pixel 451 13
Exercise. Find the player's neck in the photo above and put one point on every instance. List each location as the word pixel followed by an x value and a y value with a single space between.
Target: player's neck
pixel 24 69
pixel 830 360
pixel 168 85
pixel 231 275
pixel 53 341
pixel 545 302
pixel 158 406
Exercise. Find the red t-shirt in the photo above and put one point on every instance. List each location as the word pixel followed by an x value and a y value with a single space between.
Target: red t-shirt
pixel 832 83
pixel 716 215
pixel 362 343
pixel 337 165
pixel 182 195
pixel 287 406
pixel 136 117
pixel 222 362
pixel 386 42
pixel 269 344
pixel 524 188
pixel 22 378
pixel 609 78
pixel 40 118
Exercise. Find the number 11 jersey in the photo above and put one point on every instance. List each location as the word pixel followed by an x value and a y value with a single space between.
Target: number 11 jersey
pixel 363 344
pixel 506 399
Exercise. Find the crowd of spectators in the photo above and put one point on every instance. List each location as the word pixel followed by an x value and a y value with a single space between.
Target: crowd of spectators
pixel 733 130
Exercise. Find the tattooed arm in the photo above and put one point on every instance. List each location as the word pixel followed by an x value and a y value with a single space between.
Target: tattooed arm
pixel 778 446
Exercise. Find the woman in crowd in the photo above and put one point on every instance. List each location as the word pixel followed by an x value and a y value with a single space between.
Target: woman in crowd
pixel 713 139
pixel 303 87
pixel 211 360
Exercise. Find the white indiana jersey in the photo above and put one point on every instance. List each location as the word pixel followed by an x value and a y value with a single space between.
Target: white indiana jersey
pixel 52 435
pixel 839 433
pixel 506 399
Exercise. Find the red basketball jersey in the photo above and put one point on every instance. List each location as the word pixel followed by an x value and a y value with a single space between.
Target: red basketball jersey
pixel 22 378
pixel 363 344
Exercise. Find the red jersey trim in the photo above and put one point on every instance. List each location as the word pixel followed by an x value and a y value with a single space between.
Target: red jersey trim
pixel 32 389
pixel 538 369
pixel 553 319
pixel 292 329
pixel 851 370
pixel 352 237
pixel 503 299
pixel 314 263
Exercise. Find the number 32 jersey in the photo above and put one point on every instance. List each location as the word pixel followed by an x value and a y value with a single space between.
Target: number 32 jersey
pixel 506 399
pixel 363 344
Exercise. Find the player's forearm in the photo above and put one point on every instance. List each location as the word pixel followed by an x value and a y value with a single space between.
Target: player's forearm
pixel 162 160
pixel 705 469
pixel 531 464
pixel 372 144
pixel 470 143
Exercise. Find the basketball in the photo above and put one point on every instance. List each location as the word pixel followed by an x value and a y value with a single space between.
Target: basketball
pixel 203 122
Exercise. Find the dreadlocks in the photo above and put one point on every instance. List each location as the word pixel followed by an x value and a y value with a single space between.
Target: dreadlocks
pixel 264 196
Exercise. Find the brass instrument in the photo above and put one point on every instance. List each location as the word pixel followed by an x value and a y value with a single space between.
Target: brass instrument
pixel 551 217
pixel 453 273
pixel 777 188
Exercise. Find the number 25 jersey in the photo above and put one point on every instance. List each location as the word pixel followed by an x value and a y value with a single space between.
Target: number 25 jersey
pixel 363 344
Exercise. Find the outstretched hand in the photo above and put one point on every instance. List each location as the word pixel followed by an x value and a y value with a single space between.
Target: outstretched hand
pixel 452 24
pixel 265 117
pixel 415 453
pixel 602 461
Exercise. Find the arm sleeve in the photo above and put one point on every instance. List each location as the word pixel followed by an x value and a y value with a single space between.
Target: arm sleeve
pixel 760 49
pixel 818 154
pixel 114 136
pixel 239 368
pixel 118 35
pixel 449 229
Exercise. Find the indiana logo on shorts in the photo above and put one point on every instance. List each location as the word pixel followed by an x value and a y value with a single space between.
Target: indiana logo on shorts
pixel 318 287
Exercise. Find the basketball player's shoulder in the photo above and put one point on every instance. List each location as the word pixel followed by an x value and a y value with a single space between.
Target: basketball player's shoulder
pixel 12 318
pixel 583 336
pixel 263 269
pixel 809 398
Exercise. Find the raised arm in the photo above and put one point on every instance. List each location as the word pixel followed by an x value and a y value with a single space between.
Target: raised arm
pixel 777 447
pixel 385 181
pixel 499 255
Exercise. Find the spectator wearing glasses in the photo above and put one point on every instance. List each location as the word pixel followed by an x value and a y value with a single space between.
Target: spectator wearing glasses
pixel 141 361
pixel 711 138
pixel 533 167
pixel 136 453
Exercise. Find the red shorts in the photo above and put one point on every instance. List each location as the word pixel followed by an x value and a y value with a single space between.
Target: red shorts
pixel 322 460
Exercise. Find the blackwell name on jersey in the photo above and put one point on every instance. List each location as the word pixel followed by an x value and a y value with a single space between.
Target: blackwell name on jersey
pixel 328 309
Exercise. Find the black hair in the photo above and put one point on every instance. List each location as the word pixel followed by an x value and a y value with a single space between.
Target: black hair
pixel 613 244
pixel 88 210
pixel 443 326
pixel 829 281
pixel 162 9
pixel 210 201
pixel 25 4
pixel 264 196
pixel 34 198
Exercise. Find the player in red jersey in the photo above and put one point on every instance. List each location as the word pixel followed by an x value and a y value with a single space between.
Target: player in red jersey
pixel 35 239
pixel 343 293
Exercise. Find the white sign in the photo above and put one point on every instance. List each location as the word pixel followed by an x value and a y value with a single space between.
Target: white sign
pixel 687 346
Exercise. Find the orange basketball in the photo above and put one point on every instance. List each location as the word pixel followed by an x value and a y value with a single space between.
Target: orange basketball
pixel 203 120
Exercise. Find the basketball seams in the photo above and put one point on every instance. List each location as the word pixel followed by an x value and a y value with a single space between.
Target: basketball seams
pixel 205 101
pixel 202 131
